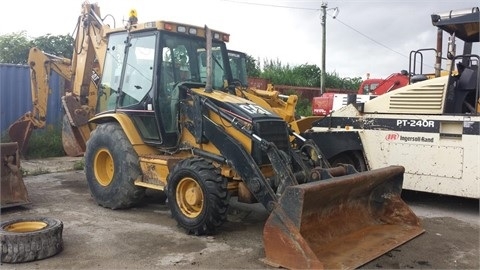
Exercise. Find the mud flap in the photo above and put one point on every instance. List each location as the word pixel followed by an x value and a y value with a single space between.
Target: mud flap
pixel 343 222
pixel 13 190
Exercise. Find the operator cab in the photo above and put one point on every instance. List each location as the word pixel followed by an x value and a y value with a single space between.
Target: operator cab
pixel 147 69
pixel 463 94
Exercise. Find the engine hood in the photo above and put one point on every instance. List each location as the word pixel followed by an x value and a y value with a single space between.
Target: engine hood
pixel 238 106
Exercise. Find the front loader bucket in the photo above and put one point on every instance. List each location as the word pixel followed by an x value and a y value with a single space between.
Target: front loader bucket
pixel 20 132
pixel 343 222
pixel 13 191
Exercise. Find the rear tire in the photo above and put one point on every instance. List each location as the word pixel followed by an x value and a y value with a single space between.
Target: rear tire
pixel 111 167
pixel 354 158
pixel 197 196
pixel 30 239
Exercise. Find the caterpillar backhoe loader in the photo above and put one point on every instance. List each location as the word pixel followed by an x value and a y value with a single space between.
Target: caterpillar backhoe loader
pixel 173 123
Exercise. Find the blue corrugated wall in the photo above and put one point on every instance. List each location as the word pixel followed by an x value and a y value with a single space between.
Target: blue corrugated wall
pixel 16 96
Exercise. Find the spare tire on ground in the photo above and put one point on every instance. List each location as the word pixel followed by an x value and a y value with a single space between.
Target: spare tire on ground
pixel 30 239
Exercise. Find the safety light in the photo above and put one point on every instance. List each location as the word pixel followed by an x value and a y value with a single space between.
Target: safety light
pixel 168 27
pixel 181 29
pixel 149 25
pixel 132 16
pixel 192 31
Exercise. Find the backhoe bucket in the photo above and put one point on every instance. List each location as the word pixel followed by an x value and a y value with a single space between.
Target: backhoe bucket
pixel 13 191
pixel 70 140
pixel 343 222
pixel 20 132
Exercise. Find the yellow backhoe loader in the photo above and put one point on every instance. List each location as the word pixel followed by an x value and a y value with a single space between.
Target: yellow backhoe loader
pixel 171 121
pixel 174 124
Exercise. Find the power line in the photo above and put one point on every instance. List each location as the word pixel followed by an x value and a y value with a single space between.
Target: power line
pixel 270 5
pixel 371 39
pixel 318 9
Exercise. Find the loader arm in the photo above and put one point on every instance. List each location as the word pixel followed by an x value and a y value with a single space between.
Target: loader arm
pixel 41 65
pixel 339 218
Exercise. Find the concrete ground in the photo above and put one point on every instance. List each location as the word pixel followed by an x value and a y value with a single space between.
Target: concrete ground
pixel 146 237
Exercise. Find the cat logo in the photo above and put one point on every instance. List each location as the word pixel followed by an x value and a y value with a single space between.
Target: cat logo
pixel 254 109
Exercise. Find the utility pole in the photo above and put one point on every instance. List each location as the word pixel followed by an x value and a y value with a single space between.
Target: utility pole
pixel 324 45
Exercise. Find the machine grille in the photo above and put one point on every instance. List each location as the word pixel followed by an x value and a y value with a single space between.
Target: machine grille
pixel 274 131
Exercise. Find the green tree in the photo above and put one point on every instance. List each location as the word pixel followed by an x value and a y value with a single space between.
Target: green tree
pixel 253 69
pixel 332 80
pixel 61 45
pixel 14 48
pixel 305 75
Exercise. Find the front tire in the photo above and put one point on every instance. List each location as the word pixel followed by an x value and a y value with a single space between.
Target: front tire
pixel 111 167
pixel 197 196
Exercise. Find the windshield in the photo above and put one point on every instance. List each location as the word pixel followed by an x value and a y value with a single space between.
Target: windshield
pixel 238 66
pixel 184 59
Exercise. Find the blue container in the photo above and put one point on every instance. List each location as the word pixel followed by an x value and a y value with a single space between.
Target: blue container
pixel 16 96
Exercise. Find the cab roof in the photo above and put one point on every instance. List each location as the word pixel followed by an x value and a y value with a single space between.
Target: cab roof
pixel 465 25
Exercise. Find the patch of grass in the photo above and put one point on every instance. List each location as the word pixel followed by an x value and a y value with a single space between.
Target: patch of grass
pixel 4 137
pixel 79 165
pixel 45 143
pixel 37 171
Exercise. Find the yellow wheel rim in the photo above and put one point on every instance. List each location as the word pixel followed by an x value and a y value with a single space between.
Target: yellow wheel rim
pixel 189 196
pixel 25 226
pixel 103 167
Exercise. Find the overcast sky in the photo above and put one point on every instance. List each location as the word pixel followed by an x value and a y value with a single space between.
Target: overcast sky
pixel 368 36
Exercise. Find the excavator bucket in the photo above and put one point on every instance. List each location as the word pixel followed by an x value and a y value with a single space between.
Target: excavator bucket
pixel 14 192
pixel 70 140
pixel 20 132
pixel 343 222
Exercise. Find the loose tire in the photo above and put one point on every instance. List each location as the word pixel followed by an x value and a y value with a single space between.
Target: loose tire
pixel 354 158
pixel 111 167
pixel 30 239
pixel 197 196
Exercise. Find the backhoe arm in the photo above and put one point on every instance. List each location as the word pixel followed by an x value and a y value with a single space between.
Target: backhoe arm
pixel 41 65
pixel 87 64
pixel 83 71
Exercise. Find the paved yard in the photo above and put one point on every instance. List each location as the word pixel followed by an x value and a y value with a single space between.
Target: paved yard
pixel 146 237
